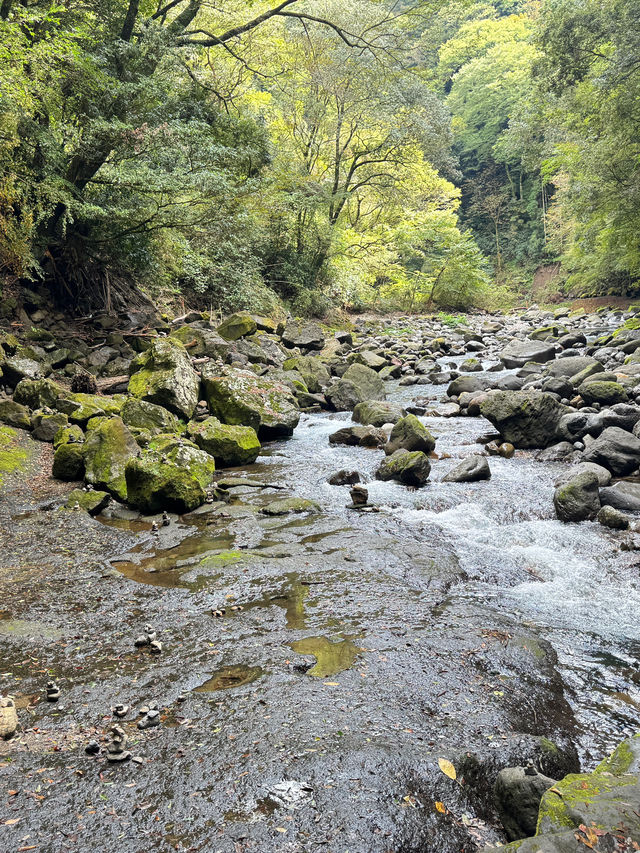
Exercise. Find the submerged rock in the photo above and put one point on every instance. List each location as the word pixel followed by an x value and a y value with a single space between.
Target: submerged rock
pixel 284 506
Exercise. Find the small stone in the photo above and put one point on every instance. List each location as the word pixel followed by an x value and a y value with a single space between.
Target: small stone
pixel 150 719
pixel 120 710
pixel 166 521
pixel 142 640
pixel 150 632
pixel 359 496
pixel 53 691
pixel 118 756
pixel 219 612
pixel 92 748
pixel 155 647
pixel 181 698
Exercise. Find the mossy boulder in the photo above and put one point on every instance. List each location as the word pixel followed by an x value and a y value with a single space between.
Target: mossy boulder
pixel 25 364
pixel 524 418
pixel 107 449
pixel 237 326
pixel 202 342
pixel 578 499
pixel 313 371
pixel 14 414
pixel 304 335
pixel 81 408
pixel 12 455
pixel 184 453
pixel 68 462
pixel 605 393
pixel 68 435
pixel 239 397
pixel 409 467
pixel 377 413
pixel 163 375
pixel 155 484
pixel 228 444
pixel 358 383
pixel 284 506
pixel 37 393
pixel 148 416
pixel 45 425
pixel 92 502
pixel 368 358
pixel 409 433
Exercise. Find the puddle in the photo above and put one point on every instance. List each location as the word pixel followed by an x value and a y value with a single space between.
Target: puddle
pixel 25 629
pixel 292 600
pixel 331 658
pixel 229 677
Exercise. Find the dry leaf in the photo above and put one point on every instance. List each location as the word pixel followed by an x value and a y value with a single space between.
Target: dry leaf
pixel 11 821
pixel 331 683
pixel 447 768
pixel 441 807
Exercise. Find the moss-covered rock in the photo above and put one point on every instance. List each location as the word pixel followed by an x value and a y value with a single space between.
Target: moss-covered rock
pixel 284 506
pixel 25 364
pixel 12 456
pixel 228 444
pixel 359 383
pixel 45 425
pixel 68 435
pixel 303 334
pixel 15 415
pixel 38 393
pixel 314 373
pixel 578 499
pixel 605 393
pixel 150 417
pixel 107 449
pixel 524 418
pixel 93 501
pixel 185 454
pixel 164 376
pixel 81 408
pixel 154 484
pixel 409 433
pixel 68 462
pixel 409 467
pixel 202 342
pixel 237 326
pixel 240 397
pixel 377 413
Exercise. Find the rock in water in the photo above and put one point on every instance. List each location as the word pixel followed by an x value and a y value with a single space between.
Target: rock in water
pixel 578 499
pixel 359 383
pixel 410 468
pixel 517 793
pixel 409 433
pixel 377 413
pixel 518 353
pixel 615 449
pixel 524 418
pixel 470 470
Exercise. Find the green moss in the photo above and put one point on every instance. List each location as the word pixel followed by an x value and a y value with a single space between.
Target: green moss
pixel 224 558
pixel 12 457
pixel 545 744
pixel 619 761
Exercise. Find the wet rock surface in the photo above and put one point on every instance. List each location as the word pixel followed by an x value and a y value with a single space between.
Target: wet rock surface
pixel 322 673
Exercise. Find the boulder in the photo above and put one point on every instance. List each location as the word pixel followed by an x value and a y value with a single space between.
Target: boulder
pixel 148 416
pixel 409 433
pixel 604 393
pixel 228 444
pixel 518 353
pixel 106 451
pixel 303 335
pixel 377 413
pixel 613 518
pixel 201 342
pixel 92 502
pixel 577 499
pixel 154 484
pixel 470 470
pixel 237 326
pixel 409 467
pixel 344 478
pixel 517 793
pixel 470 384
pixel 572 366
pixel 239 397
pixel 524 418
pixel 575 425
pixel 313 371
pixel 369 359
pixel 358 383
pixel 604 476
pixel 359 436
pixel 615 449
pixel 164 376
pixel 45 426
pixel 14 414
pixel 622 495
pixel 37 393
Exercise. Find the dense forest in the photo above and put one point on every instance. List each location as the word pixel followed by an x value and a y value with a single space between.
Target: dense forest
pixel 316 153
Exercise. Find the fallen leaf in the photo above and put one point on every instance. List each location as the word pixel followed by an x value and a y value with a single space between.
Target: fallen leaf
pixel 447 768
pixel 331 683
pixel 280 829
pixel 11 821
pixel 441 807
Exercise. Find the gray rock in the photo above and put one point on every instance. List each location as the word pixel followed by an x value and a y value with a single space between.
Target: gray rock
pixel 518 353
pixel 470 470
pixel 377 413
pixel 358 383
pixel 604 476
pixel 577 499
pixel 615 449
pixel 304 335
pixel 517 797
pixel 524 418
pixel 622 495
pixel 613 518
